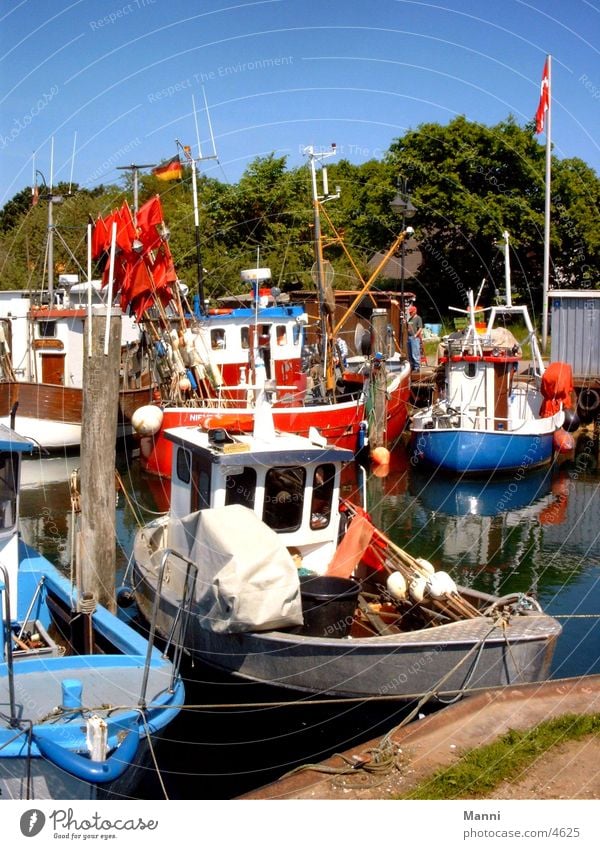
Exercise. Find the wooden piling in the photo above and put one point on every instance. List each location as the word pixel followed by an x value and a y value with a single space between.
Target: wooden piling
pixel 97 544
pixel 377 431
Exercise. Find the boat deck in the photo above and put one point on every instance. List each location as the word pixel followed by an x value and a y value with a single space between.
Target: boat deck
pixel 105 685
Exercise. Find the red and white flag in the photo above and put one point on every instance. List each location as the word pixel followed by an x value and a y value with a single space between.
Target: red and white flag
pixel 544 104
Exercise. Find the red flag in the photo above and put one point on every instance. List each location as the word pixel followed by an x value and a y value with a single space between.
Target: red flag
pixel 170 170
pixel 163 270
pixel 544 104
pixel 100 238
pixel 137 283
pixel 126 231
pixel 148 216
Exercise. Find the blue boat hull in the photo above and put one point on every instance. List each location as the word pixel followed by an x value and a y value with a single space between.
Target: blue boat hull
pixel 477 452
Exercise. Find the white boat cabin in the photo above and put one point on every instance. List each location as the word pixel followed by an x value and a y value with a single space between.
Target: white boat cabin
pixel 44 343
pixel 259 339
pixel 482 388
pixel 292 484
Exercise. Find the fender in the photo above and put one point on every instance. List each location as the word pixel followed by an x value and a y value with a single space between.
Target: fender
pixel 588 401
pixel 95 772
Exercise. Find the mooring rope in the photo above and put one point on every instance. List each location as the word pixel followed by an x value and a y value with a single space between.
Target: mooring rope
pixel 134 505
pixel 384 757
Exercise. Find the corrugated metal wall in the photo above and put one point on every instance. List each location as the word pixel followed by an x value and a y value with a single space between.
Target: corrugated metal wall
pixel 576 331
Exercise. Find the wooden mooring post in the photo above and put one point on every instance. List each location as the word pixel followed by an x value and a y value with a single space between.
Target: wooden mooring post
pixel 96 561
pixel 378 430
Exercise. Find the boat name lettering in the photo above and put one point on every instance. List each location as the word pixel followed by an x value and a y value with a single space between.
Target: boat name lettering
pixel 65 818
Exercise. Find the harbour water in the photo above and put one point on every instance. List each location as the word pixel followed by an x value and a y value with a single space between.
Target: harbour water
pixel 538 531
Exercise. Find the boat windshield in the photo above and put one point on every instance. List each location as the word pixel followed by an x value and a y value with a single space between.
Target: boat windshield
pixel 322 496
pixel 8 490
pixel 240 488
pixel 284 498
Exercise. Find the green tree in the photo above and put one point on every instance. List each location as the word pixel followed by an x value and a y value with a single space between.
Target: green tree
pixel 470 183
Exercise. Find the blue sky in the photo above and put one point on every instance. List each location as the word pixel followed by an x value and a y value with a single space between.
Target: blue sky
pixel 115 79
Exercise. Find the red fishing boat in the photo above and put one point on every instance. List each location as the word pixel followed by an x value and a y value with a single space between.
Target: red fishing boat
pixel 227 356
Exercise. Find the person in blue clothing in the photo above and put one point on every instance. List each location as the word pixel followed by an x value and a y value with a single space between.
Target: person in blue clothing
pixel 415 332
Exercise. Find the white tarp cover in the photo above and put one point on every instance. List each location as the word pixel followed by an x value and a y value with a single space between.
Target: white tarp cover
pixel 501 337
pixel 247 580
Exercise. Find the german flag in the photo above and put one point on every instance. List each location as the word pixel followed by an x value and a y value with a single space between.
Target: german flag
pixel 170 170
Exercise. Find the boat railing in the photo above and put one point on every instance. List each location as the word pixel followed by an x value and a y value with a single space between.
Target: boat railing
pixel 180 622
pixel 485 346
pixel 473 418
pixel 7 648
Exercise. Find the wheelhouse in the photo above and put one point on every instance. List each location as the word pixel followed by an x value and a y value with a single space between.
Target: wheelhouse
pixel 293 487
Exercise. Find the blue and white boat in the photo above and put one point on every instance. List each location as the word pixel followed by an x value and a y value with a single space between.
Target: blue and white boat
pixel 83 696
pixel 487 417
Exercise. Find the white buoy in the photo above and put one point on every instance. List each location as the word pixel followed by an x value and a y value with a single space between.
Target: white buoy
pixel 426 566
pixel 417 588
pixel 396 585
pixel 147 420
pixel 440 584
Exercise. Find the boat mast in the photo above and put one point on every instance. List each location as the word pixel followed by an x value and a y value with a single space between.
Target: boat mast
pixel 505 236
pixel 135 170
pixel 326 340
pixel 187 152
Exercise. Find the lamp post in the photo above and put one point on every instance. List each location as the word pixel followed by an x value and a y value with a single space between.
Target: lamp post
pixel 52 199
pixel 402 205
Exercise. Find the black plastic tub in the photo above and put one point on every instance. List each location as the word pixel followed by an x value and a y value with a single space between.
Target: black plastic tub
pixel 328 605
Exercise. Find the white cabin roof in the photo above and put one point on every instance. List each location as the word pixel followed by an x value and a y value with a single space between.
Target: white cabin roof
pixel 283 448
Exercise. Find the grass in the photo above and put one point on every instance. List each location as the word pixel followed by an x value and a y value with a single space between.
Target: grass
pixel 481 770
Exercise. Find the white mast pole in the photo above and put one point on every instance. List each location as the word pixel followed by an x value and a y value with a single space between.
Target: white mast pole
pixel 546 286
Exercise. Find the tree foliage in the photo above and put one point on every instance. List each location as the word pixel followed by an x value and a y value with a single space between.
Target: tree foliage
pixel 468 182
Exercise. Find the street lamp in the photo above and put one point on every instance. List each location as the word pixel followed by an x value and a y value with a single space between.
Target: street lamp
pixel 401 205
pixel 52 199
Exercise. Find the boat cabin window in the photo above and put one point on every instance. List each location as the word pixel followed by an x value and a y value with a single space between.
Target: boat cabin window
pixel 46 329
pixel 217 338
pixel 470 369
pixel 200 498
pixel 297 334
pixel 8 491
pixel 322 497
pixel 284 497
pixel 184 465
pixel 240 488
pixel 263 332
pixel 281 333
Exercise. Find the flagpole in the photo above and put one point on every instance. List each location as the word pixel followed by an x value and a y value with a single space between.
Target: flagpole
pixel 548 123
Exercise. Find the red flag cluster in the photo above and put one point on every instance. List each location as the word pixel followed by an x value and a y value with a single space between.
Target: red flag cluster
pixel 144 270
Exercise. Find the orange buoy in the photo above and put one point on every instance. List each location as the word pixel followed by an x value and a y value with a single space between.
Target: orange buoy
pixel 381 456
pixel 563 442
